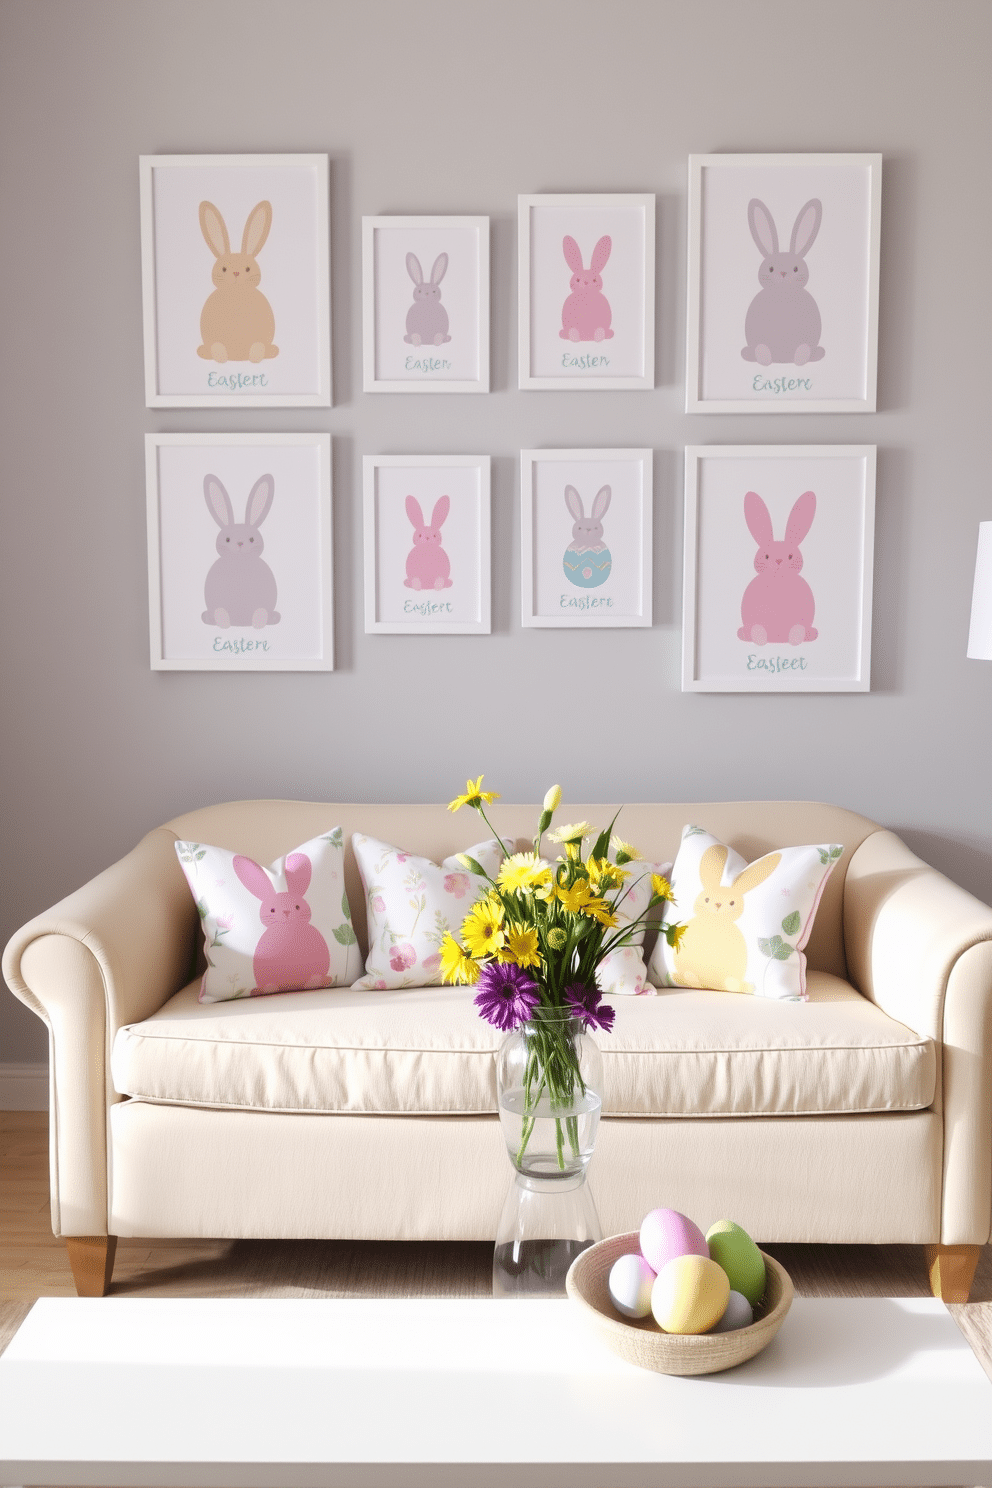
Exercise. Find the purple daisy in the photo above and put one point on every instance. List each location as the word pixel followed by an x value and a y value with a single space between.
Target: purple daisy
pixel 507 995
pixel 587 1003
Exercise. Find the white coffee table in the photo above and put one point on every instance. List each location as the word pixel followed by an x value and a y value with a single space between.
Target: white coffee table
pixel 478 1394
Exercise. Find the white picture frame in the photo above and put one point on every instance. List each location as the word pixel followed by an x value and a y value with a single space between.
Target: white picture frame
pixel 425 277
pixel 563 344
pixel 561 492
pixel 809 219
pixel 195 590
pixel 747 507
pixel 271 347
pixel 442 586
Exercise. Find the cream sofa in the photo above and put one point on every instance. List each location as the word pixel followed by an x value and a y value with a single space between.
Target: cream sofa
pixel 863 1115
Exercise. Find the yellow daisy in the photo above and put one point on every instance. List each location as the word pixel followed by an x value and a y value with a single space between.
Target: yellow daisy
pixel 661 888
pixel 674 935
pixel 521 942
pixel 456 965
pixel 571 834
pixel 604 874
pixel 575 898
pixel 624 851
pixel 523 871
pixel 482 928
pixel 598 909
pixel 474 796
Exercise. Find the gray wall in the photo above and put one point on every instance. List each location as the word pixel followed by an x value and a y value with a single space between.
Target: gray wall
pixel 444 106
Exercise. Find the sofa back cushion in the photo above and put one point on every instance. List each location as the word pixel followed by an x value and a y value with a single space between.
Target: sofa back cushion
pixel 266 829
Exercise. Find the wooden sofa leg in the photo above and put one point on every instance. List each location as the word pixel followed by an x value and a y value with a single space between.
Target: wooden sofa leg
pixel 952 1270
pixel 92 1260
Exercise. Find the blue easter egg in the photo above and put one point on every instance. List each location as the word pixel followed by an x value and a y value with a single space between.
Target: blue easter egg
pixel 587 570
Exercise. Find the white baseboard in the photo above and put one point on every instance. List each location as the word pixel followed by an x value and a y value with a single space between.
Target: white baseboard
pixel 23 1087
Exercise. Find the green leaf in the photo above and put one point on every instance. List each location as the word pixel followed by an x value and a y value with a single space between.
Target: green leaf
pixel 791 923
pixel 836 852
pixel 344 935
pixel 201 909
pixel 776 949
pixel 472 865
pixel 694 832
pixel 346 907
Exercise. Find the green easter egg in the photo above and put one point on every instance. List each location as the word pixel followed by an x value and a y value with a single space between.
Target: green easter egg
pixel 734 1250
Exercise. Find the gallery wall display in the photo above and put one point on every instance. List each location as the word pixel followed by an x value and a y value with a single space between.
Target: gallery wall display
pixel 777 578
pixel 239 552
pixel 585 537
pixel 236 281
pixel 426 304
pixel 586 291
pixel 427 544
pixel 783 283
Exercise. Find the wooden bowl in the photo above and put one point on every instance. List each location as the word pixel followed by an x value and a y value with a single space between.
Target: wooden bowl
pixel 640 1341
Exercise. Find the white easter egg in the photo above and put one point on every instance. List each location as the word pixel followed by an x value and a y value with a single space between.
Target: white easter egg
pixel 737 1315
pixel 630 1283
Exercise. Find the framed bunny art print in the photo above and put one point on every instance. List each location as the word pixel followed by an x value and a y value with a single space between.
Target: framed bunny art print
pixel 585 536
pixel 235 264
pixel 586 291
pixel 783 283
pixel 240 572
pixel 426 304
pixel 777 578
pixel 427 544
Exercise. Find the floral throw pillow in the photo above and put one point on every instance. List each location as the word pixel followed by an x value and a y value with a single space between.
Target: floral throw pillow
pixel 283 928
pixel 412 905
pixel 745 923
pixel 622 973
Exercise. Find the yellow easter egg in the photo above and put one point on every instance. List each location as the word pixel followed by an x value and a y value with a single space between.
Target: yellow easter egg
pixel 690 1294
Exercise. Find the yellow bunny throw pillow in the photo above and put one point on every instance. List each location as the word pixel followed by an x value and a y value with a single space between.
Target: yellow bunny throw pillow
pixel 745 923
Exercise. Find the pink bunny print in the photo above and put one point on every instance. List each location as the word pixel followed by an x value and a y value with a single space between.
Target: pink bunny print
pixel 427 565
pixel 291 954
pixel 778 605
pixel 586 314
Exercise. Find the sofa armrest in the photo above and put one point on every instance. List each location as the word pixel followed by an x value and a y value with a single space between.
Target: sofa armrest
pixel 921 948
pixel 111 953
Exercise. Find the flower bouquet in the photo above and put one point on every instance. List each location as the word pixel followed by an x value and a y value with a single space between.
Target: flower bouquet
pixel 531 946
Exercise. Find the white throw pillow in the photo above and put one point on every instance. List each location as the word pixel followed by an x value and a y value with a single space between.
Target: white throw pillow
pixel 412 904
pixel 284 928
pixel 622 973
pixel 746 924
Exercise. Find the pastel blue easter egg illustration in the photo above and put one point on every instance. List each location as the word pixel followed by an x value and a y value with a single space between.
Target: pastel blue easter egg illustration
pixel 588 570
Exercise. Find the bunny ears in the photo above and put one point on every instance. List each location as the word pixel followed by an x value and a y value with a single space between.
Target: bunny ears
pixel 256 507
pixel 600 502
pixel 573 254
pixel 441 508
pixel 214 229
pixel 804 230
pixel 759 521
pixel 417 274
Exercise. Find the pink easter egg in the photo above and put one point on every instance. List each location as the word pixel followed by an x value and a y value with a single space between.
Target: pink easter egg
pixel 666 1234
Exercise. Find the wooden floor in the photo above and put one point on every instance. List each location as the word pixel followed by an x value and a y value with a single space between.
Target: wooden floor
pixel 33 1263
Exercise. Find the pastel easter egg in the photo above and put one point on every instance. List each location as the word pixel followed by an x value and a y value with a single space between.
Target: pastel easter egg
pixel 665 1234
pixel 630 1283
pixel 588 569
pixel 737 1315
pixel 690 1295
pixel 734 1250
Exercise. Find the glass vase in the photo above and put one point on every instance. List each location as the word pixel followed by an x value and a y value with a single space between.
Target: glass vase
pixel 549 1079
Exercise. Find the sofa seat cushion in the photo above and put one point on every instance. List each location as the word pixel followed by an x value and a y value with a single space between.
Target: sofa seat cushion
pixel 426 1051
